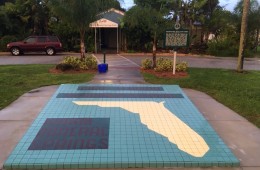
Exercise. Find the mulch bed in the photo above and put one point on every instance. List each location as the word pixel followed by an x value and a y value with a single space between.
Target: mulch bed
pixel 56 71
pixel 166 74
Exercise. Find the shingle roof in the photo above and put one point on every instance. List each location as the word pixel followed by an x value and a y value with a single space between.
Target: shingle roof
pixel 113 15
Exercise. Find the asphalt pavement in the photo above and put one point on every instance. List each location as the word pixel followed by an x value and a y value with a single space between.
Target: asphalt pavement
pixel 193 60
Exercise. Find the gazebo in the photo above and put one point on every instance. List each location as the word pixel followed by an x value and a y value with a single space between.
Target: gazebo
pixel 108 34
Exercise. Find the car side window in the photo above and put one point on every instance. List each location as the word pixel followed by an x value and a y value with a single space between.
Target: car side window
pixel 53 39
pixel 31 40
pixel 42 39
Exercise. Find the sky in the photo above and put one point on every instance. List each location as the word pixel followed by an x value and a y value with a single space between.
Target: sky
pixel 228 4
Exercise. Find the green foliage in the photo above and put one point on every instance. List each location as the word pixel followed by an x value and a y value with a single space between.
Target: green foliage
pixel 64 67
pixel 223 47
pixel 67 34
pixel 131 51
pixel 147 64
pixel 252 26
pixel 144 23
pixel 90 46
pixel 30 15
pixel 222 23
pixel 79 14
pixel 258 51
pixel 89 63
pixel 163 64
pixel 65 19
pixel 166 64
pixel 181 66
pixel 75 63
pixel 5 40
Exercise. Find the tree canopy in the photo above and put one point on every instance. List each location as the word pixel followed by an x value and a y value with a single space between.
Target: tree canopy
pixel 148 16
pixel 80 14
pixel 144 24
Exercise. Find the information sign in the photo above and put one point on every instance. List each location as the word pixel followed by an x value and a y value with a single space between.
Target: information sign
pixel 176 38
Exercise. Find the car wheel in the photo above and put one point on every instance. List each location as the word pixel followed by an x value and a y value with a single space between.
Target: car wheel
pixel 50 51
pixel 15 51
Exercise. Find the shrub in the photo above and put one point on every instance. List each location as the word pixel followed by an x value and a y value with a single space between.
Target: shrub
pixel 5 40
pixel 90 47
pixel 73 61
pixel 181 66
pixel 76 48
pixel 147 64
pixel 163 64
pixel 131 51
pixel 223 47
pixel 88 63
pixel 64 67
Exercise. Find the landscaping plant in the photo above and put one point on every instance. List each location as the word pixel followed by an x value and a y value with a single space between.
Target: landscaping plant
pixel 75 63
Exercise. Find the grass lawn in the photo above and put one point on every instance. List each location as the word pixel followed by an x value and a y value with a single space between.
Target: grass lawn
pixel 17 80
pixel 240 92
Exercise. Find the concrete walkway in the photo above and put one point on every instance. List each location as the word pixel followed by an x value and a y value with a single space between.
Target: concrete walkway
pixel 241 136
pixel 121 71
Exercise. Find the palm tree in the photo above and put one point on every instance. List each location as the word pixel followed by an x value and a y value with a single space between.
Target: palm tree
pixel 243 36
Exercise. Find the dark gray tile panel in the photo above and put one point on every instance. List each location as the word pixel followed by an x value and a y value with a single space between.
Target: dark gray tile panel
pixel 118 95
pixel 120 88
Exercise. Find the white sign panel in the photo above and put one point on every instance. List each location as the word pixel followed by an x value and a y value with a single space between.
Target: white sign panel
pixel 103 23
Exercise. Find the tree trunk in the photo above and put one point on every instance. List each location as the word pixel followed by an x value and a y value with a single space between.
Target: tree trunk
pixel 243 36
pixel 154 49
pixel 82 43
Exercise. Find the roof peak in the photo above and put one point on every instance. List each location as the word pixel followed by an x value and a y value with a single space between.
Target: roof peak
pixel 113 10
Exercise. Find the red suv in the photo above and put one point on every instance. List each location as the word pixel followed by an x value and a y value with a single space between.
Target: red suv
pixel 49 44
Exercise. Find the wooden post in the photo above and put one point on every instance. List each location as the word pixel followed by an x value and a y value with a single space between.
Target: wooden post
pixel 117 50
pixel 96 40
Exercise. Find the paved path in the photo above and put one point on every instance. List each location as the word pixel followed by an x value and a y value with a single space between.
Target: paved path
pixel 120 71
pixel 204 62
pixel 240 135
pixel 135 60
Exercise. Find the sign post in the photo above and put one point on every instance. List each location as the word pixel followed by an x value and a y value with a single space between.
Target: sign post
pixel 174 62
pixel 176 38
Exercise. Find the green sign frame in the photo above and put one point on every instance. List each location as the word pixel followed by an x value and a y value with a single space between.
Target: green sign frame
pixel 176 38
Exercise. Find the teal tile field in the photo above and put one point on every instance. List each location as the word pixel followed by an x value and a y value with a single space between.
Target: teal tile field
pixel 120 126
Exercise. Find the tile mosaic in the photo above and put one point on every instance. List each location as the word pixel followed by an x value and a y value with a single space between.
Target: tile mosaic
pixel 159 127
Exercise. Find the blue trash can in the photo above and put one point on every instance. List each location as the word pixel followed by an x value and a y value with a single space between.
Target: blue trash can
pixel 102 68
